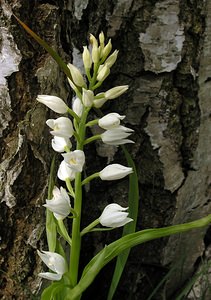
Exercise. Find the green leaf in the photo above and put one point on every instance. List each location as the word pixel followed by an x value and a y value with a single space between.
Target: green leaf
pixel 133 203
pixel 143 236
pixel 51 226
pixel 49 292
pixel 50 50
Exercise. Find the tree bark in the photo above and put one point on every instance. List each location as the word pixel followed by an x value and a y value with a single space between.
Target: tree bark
pixel 165 57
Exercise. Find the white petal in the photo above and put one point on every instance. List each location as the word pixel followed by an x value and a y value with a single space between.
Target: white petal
pixel 65 172
pixel 50 276
pixel 53 261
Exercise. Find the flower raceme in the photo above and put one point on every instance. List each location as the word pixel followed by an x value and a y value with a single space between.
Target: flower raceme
pixel 114 216
pixel 114 172
pixel 59 204
pixel 61 127
pixel 54 103
pixel 54 262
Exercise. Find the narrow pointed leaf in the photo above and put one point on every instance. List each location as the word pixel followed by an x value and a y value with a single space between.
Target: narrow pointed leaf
pixel 51 225
pixel 143 236
pixel 50 50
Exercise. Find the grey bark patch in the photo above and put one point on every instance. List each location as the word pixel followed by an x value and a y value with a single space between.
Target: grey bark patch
pixel 10 58
pixel 163 40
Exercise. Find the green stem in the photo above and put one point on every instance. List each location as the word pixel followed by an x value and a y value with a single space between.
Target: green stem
pixel 92 139
pixel 97 85
pixel 91 123
pixel 90 227
pixel 89 178
pixel 94 77
pixel 73 114
pixel 76 237
pixel 69 187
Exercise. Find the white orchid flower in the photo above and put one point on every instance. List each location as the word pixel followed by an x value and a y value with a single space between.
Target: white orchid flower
pixel 55 262
pixel 54 103
pixel 117 136
pixel 75 160
pixel 110 121
pixel 65 172
pixel 60 143
pixel 114 216
pixel 59 204
pixel 61 127
pixel 114 172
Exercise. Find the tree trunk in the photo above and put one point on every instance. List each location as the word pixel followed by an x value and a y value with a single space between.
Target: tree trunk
pixel 165 57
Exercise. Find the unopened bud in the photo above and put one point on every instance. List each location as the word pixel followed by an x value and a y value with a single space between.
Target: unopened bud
pixel 104 72
pixel 116 92
pixel 87 58
pixel 87 98
pixel 76 75
pixel 112 59
pixel 106 50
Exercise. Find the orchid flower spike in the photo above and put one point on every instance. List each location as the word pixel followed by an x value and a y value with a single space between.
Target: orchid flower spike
pixel 114 216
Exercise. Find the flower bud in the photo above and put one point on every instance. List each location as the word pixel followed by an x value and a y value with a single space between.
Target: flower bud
pixel 93 40
pixel 112 59
pixel 110 121
pixel 76 75
pixel 87 98
pixel 102 39
pixel 54 103
pixel 116 92
pixel 87 58
pixel 114 172
pixel 95 54
pixel 103 73
pixel 99 100
pixel 114 216
pixel 106 50
pixel 77 106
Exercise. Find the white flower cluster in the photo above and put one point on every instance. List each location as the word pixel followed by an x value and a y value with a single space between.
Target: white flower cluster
pixel 97 64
